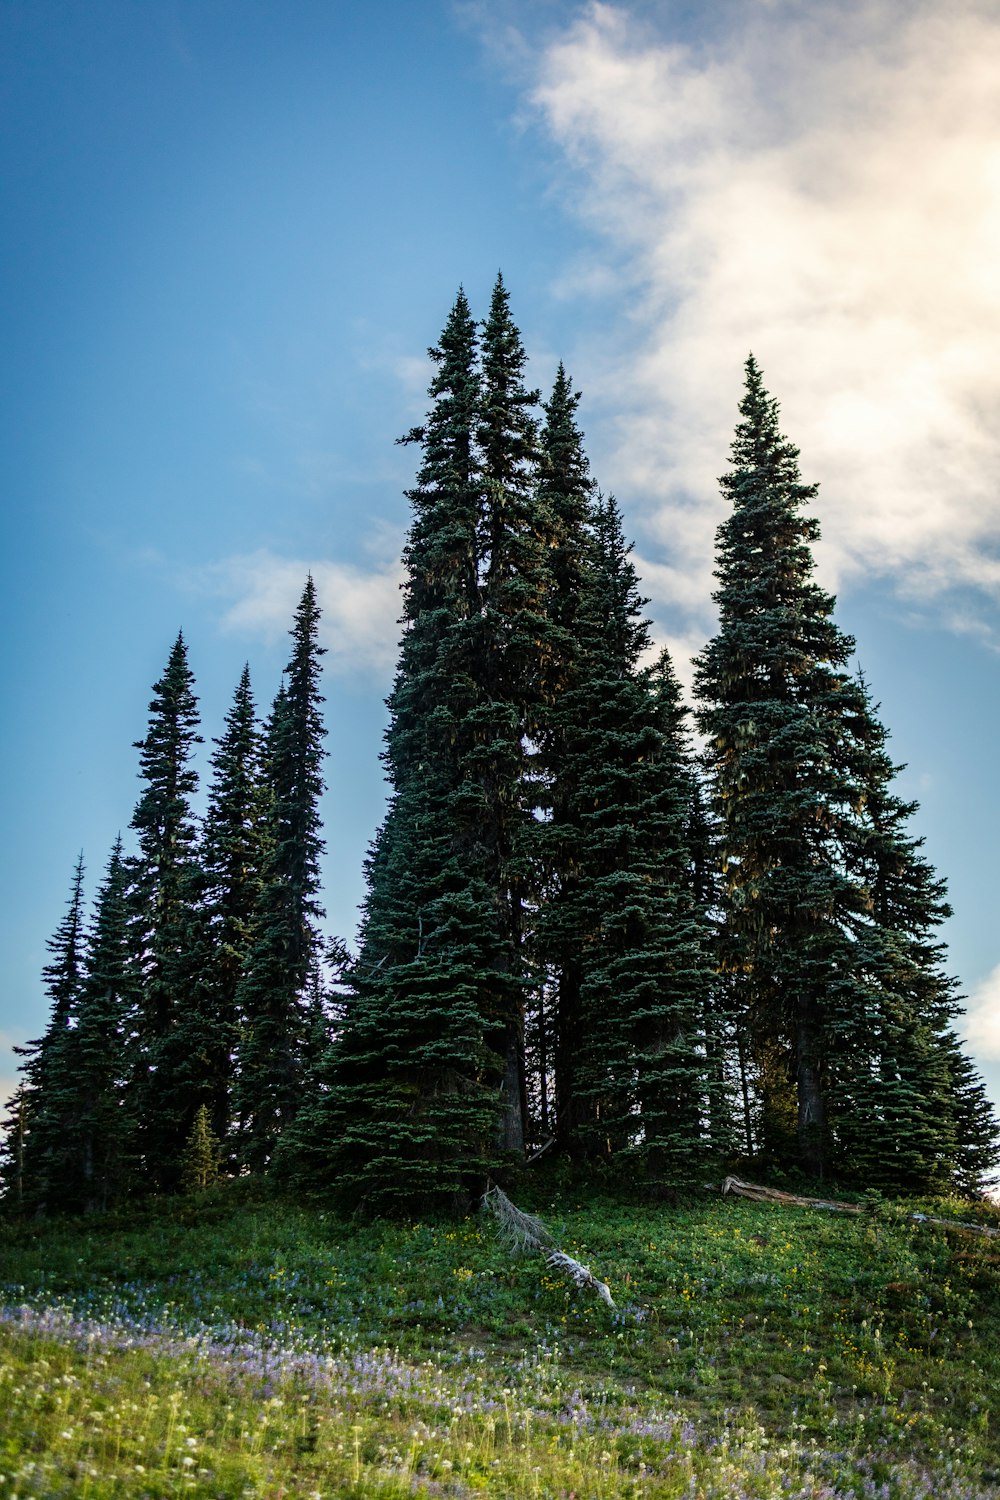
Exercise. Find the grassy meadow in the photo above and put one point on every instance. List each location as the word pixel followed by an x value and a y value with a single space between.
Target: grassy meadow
pixel 225 1347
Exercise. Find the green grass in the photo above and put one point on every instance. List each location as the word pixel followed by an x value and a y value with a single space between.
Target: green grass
pixel 223 1348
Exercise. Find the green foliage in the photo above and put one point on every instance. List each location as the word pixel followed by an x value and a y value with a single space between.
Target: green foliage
pixel 273 995
pixel 622 917
pixel 71 1132
pixel 554 1034
pixel 234 844
pixel 534 865
pixel 104 1128
pixel 44 1170
pixel 406 1104
pixel 169 1064
pixel 772 687
pixel 827 947
pixel 904 1095
pixel 510 638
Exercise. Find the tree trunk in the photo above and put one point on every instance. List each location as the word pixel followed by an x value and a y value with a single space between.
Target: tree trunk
pixel 810 1094
pixel 567 1045
pixel 745 1093
pixel 510 1126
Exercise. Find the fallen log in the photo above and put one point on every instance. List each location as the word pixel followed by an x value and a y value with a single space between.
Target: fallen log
pixel 793 1200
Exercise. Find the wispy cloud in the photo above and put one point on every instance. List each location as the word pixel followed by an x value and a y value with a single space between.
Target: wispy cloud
pixel 361 606
pixel 820 185
pixel 982 1021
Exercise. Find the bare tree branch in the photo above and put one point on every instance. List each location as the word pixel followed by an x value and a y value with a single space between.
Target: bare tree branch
pixel 522 1233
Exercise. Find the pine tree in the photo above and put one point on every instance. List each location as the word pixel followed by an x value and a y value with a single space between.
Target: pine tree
pixel 168 930
pixel 665 983
pixel 727 1112
pixel 621 925
pixel 104 1129
pixel 498 557
pixel 899 1079
pixel 513 643
pixel 975 1139
pixel 565 497
pixel 13 1134
pixel 232 856
pixel 202 1154
pixel 408 1096
pixel 45 1117
pixel 72 1152
pixel 773 688
pixel 273 994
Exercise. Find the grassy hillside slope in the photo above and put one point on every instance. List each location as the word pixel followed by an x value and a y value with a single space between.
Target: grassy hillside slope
pixel 220 1348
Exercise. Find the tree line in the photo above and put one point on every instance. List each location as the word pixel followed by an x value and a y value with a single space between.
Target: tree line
pixel 582 934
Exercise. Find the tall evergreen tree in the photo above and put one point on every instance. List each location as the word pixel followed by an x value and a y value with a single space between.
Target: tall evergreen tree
pixel 727 1112
pixel 274 992
pixel 13 1135
pixel 902 1098
pixel 975 1143
pixel 46 1112
pixel 232 857
pixel 665 982
pixel 169 1062
pixel 201 1160
pixel 566 496
pixel 773 689
pixel 103 1130
pixel 829 940
pixel 408 1094
pixel 621 923
pixel 499 557
pixel 513 644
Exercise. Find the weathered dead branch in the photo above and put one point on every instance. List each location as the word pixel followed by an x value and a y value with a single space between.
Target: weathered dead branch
pixel 581 1275
pixel 522 1234
pixel 519 1233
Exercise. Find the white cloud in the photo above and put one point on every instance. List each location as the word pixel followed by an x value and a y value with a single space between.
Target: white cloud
pixel 982 1021
pixel 360 607
pixel 820 185
pixel 414 374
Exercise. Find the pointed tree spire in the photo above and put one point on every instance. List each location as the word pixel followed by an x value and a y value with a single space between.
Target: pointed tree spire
pixel 407 1104
pixel 508 427
pixel 510 642
pixel 233 849
pixel 167 926
pixel 45 1165
pixel 566 498
pixel 772 687
pixel 273 995
pixel 163 818
pixel 107 1009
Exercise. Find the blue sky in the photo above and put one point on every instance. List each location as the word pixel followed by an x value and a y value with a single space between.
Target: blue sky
pixel 229 232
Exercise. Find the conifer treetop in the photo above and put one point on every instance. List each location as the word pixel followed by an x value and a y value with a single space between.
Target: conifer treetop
pixel 162 816
pixel 508 431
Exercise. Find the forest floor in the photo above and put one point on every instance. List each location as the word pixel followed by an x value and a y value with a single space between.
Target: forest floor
pixel 223 1347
